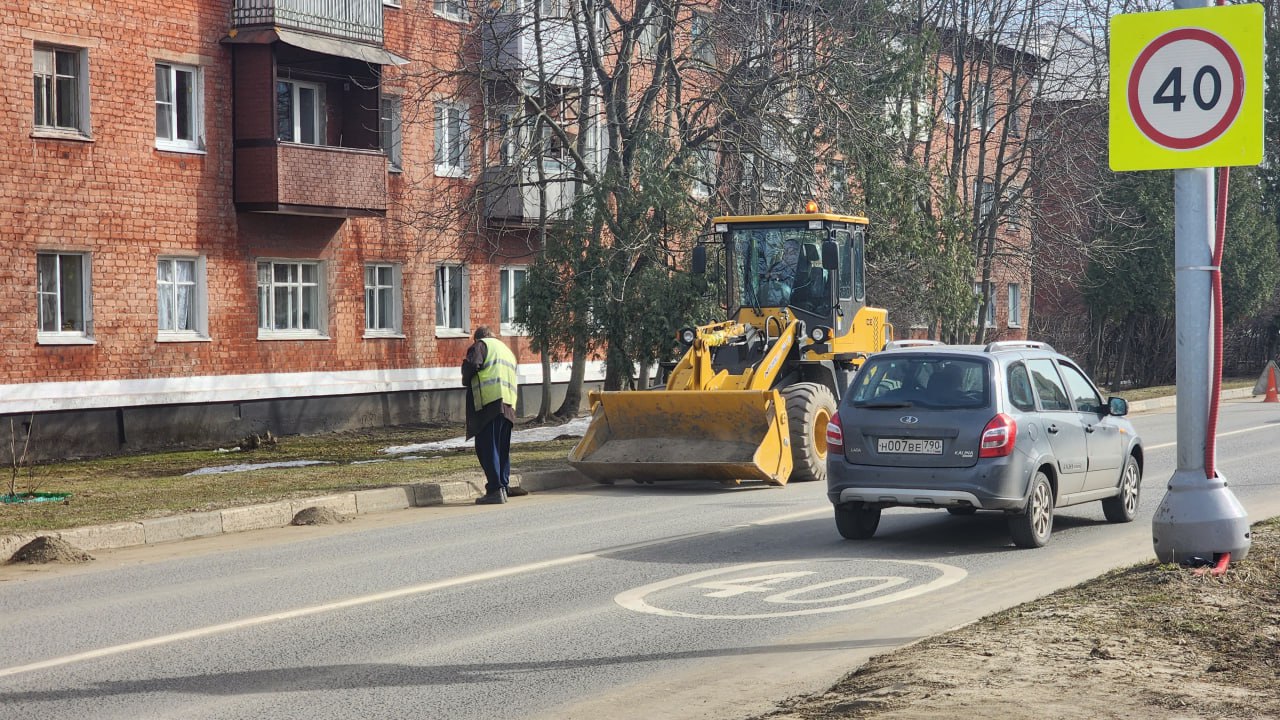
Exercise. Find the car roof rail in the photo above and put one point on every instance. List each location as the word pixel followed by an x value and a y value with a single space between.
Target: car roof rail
pixel 1017 344
pixel 909 343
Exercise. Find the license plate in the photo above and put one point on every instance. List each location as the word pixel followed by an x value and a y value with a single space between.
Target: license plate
pixel 909 446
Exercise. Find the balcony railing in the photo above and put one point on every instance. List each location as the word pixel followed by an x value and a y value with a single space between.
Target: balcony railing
pixel 358 20
pixel 512 195
pixel 311 180
pixel 510 45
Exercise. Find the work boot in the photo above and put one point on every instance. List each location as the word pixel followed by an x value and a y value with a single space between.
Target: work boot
pixel 516 491
pixel 493 498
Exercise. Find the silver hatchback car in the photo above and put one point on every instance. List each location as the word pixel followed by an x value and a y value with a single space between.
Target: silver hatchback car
pixel 1013 427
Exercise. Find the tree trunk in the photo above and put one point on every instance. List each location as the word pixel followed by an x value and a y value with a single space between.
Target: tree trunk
pixel 572 402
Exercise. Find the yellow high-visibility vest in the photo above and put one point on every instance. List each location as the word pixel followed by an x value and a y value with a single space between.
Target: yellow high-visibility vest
pixel 496 378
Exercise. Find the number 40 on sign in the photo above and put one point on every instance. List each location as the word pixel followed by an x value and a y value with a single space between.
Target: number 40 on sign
pixel 1187 88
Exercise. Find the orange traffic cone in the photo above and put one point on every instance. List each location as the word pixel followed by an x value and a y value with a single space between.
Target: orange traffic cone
pixel 1272 395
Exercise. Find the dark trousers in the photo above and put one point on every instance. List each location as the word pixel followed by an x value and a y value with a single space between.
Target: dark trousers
pixel 493 447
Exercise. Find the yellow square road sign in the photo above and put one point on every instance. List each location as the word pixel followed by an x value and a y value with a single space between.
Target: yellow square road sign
pixel 1187 88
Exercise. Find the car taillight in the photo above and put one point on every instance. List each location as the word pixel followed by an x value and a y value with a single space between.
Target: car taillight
pixel 997 437
pixel 835 435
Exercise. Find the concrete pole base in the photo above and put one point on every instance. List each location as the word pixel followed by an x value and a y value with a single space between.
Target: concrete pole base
pixel 1199 518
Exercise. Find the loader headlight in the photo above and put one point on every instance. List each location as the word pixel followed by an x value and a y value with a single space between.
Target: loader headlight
pixel 688 335
pixel 820 334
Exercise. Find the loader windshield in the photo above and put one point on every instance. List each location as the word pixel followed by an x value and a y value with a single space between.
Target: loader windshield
pixel 776 267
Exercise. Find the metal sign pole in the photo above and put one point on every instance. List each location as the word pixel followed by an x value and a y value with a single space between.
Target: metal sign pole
pixel 1199 517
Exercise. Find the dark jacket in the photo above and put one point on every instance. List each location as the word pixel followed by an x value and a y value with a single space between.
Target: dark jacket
pixel 471 364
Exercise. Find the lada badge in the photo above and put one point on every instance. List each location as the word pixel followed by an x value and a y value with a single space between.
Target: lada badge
pixel 908 419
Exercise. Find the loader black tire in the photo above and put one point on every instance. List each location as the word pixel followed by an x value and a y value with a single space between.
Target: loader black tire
pixel 809 408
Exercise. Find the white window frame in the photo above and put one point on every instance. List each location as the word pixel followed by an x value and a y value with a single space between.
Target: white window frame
pixel 199 306
pixel 267 300
pixel 317 119
pixel 554 8
pixel 991 306
pixel 444 304
pixel 985 199
pixel 984 107
pixel 451 149
pixel 170 71
pixel 704 173
pixel 950 98
pixel 44 64
pixel 701 43
pixel 507 136
pixel 1015 305
pixel 507 298
pixel 455 10
pixel 82 335
pixel 376 292
pixel 391 131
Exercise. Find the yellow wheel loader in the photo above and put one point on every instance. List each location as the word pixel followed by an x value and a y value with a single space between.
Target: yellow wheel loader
pixel 751 396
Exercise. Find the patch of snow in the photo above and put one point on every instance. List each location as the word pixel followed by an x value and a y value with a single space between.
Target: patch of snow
pixel 256 466
pixel 575 428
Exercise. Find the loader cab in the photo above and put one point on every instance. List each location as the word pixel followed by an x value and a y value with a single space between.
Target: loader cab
pixel 811 264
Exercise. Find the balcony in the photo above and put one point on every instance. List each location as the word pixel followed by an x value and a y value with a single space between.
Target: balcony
pixel 511 196
pixel 509 42
pixel 298 179
pixel 356 20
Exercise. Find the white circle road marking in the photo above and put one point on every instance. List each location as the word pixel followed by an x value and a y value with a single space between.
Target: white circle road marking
pixel 635 599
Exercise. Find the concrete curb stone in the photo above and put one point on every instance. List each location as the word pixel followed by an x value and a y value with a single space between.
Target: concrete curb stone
pixel 449 490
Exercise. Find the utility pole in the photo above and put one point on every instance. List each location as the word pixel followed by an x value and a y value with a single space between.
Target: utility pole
pixel 1199 516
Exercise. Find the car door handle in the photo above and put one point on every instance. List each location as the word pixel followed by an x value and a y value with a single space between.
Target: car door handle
pixel 1053 429
pixel 1088 428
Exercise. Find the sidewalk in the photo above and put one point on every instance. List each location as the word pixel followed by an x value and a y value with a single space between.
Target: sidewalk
pixel 455 489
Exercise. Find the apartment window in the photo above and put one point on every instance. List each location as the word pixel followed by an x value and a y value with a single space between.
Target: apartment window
pixel 950 98
pixel 179 113
pixel 290 299
pixel 984 109
pixel 1015 124
pixel 704 172
pixel 986 193
pixel 300 112
pixel 555 8
pixel 508 138
pixel 991 306
pixel 512 280
pixel 838 181
pixel 700 44
pixel 647 41
pixel 63 298
pixel 390 133
pixel 452 9
pixel 61 97
pixel 1015 305
pixel 382 309
pixel 451 305
pixel 772 159
pixel 180 298
pixel 451 140
pixel 1013 208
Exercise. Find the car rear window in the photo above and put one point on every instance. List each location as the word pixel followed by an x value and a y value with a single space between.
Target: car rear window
pixel 931 381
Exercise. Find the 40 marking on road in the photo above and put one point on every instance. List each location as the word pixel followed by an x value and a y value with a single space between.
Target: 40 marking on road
pixel 786 588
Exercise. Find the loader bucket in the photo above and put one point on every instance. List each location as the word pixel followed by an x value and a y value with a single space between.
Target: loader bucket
pixel 686 435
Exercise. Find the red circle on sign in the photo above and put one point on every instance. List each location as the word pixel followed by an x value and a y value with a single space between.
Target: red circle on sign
pixel 1233 107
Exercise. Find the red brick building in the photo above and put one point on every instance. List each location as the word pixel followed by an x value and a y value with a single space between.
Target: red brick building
pixel 200 232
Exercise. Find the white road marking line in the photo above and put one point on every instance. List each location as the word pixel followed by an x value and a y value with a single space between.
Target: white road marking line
pixel 1162 446
pixel 369 599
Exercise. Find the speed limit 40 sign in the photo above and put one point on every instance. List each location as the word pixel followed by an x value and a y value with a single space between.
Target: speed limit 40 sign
pixel 1187 88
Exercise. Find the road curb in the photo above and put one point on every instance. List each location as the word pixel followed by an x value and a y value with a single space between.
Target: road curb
pixel 1162 403
pixel 449 490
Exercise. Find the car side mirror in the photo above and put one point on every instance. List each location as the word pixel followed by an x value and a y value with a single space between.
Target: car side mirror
pixel 699 259
pixel 1117 406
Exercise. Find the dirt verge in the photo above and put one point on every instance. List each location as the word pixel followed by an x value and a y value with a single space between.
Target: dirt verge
pixel 1150 641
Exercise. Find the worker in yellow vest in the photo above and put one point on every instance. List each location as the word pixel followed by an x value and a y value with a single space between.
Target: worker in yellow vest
pixel 489 370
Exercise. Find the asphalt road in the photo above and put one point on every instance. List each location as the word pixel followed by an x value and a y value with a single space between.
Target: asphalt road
pixel 669 601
